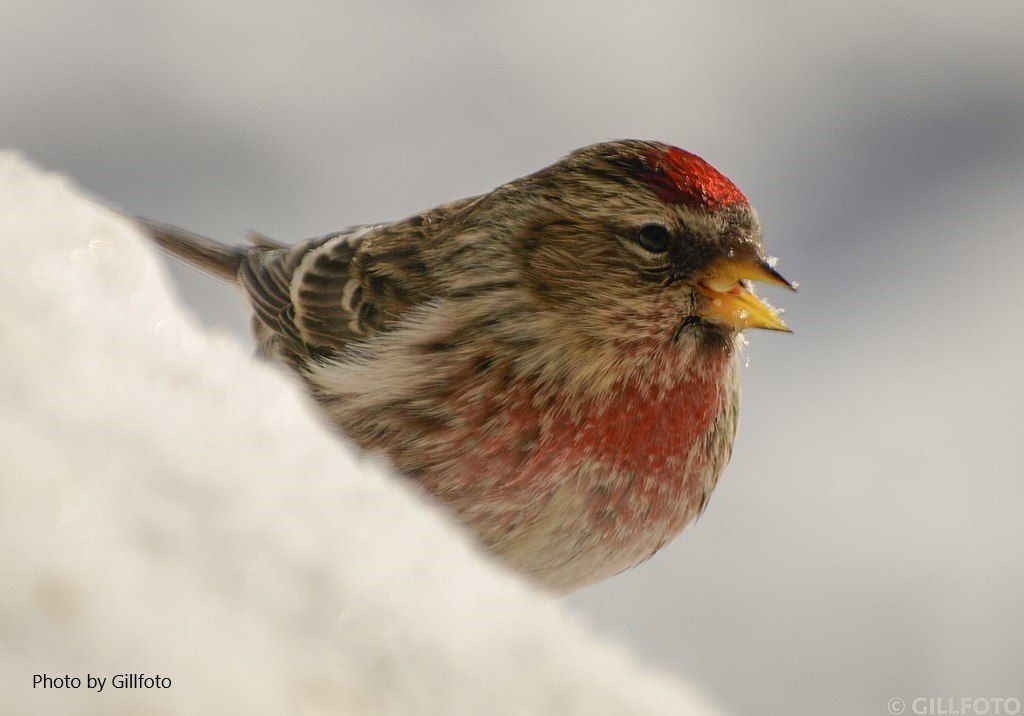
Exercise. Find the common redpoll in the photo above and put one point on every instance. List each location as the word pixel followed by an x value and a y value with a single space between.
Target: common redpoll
pixel 555 360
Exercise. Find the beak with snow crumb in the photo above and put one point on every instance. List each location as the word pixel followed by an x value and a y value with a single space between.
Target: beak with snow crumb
pixel 725 283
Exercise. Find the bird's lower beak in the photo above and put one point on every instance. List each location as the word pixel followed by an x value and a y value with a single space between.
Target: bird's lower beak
pixel 733 304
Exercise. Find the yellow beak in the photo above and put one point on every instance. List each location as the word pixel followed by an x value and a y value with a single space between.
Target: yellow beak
pixel 731 303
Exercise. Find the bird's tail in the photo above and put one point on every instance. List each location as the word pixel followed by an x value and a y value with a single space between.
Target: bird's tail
pixel 198 251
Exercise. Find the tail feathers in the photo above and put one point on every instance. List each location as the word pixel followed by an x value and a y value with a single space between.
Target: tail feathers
pixel 264 242
pixel 220 260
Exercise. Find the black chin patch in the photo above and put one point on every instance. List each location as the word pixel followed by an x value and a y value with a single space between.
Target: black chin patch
pixel 710 336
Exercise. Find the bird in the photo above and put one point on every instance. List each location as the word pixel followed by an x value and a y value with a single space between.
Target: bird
pixel 555 361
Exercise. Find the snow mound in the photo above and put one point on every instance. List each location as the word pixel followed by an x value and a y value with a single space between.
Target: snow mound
pixel 169 506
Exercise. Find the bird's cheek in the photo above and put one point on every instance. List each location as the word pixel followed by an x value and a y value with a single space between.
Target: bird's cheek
pixel 655 317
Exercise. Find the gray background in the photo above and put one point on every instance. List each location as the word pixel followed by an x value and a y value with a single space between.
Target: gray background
pixel 866 541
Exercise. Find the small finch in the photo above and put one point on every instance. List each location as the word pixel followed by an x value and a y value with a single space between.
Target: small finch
pixel 556 360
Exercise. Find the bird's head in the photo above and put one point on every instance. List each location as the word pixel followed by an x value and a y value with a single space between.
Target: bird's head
pixel 633 241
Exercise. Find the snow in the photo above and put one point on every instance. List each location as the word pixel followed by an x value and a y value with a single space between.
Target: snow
pixel 170 506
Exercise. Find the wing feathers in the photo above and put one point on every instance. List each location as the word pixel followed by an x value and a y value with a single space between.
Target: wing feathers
pixel 318 296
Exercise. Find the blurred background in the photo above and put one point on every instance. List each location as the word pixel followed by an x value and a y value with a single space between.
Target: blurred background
pixel 867 540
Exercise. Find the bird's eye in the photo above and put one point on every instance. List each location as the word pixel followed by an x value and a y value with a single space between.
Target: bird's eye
pixel 654 238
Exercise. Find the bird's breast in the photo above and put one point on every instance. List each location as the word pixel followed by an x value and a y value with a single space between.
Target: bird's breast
pixel 573 489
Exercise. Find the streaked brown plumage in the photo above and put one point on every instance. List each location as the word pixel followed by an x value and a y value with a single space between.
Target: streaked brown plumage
pixel 554 360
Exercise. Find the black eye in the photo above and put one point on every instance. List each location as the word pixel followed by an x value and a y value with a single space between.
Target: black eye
pixel 654 238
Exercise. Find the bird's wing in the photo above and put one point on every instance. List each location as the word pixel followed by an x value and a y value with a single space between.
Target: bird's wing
pixel 318 296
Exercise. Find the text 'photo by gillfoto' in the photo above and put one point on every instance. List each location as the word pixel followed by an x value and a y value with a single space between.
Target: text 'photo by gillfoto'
pixel 556 361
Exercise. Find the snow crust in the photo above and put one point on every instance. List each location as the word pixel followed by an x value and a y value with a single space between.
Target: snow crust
pixel 170 506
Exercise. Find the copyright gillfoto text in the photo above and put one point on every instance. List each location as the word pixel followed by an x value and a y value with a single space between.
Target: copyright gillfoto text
pixel 956 706
pixel 98 683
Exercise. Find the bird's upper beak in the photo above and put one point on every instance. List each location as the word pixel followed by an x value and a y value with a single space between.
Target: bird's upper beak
pixel 731 303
